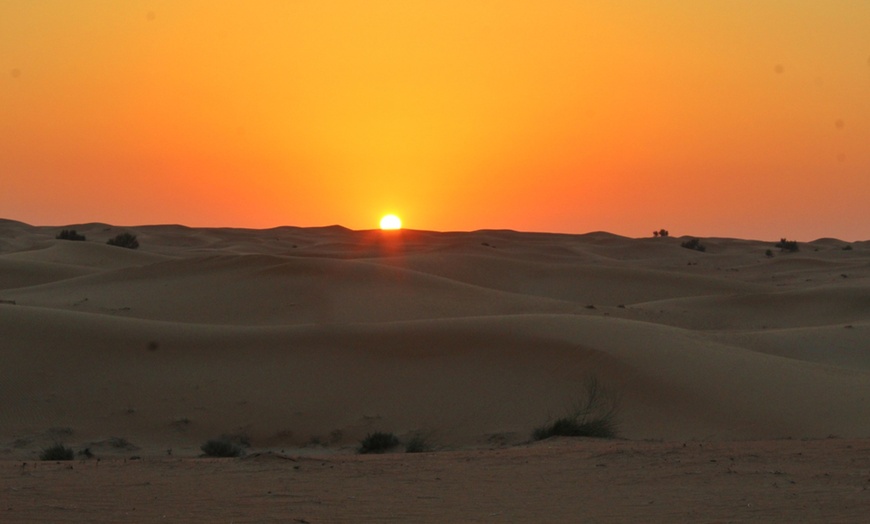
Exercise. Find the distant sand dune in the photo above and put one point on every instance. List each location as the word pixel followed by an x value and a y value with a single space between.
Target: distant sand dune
pixel 23 273
pixel 822 306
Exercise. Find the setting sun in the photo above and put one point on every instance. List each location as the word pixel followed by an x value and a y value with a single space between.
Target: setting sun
pixel 391 222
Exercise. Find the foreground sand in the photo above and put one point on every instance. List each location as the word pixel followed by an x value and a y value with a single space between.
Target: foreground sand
pixel 305 340
pixel 572 480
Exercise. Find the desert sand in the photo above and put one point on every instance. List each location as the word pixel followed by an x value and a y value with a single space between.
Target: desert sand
pixel 744 379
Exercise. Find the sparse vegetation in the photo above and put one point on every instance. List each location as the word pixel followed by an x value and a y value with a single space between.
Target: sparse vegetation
pixel 847 247
pixel 378 442
pixel 57 452
pixel 769 253
pixel 69 234
pixel 787 245
pixel 222 447
pixel 418 444
pixel 661 233
pixel 695 244
pixel 124 240
pixel 594 415
pixel 120 443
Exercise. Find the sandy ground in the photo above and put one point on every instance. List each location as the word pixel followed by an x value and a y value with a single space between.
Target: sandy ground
pixel 570 480
pixel 305 340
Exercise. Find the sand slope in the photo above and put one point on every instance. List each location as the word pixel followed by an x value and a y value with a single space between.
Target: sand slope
pixel 296 336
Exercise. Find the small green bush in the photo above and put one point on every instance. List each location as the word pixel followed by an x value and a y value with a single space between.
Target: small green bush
pixel 695 244
pixel 124 240
pixel 221 447
pixel 57 452
pixel 378 443
pixel 595 415
pixel 69 234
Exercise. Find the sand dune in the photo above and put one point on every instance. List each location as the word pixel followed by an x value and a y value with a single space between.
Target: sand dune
pixel 301 335
pixel 601 282
pixel 259 289
pixel 304 340
pixel 844 346
pixel 86 254
pixel 822 306
pixel 462 380
pixel 24 273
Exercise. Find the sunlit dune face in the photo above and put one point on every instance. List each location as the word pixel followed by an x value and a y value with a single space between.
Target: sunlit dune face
pixel 391 222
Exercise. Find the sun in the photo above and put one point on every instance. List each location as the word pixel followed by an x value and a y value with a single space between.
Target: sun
pixel 391 222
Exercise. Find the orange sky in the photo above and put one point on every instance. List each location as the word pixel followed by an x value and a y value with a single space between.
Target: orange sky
pixel 716 118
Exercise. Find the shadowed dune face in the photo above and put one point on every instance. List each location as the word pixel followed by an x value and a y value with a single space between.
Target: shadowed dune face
pixel 292 335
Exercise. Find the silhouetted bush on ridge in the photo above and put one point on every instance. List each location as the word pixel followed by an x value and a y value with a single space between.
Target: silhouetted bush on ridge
pixel 124 240
pixel 695 244
pixel 787 245
pixel 69 234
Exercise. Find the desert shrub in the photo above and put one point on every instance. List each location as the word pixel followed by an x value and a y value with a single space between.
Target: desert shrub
pixel 378 442
pixel 222 447
pixel 572 426
pixel 661 233
pixel 69 234
pixel 768 253
pixel 847 247
pixel 787 245
pixel 594 415
pixel 124 240
pixel 695 244
pixel 57 452
pixel 418 444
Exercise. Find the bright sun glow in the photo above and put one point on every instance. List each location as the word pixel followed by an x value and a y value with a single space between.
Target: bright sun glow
pixel 391 222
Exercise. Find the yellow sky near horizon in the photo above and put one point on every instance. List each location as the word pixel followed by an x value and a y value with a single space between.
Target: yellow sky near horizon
pixel 737 118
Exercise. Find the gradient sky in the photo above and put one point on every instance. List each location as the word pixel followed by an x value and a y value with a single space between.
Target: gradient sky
pixel 716 118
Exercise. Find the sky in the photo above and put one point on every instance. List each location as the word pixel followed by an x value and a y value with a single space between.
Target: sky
pixel 737 118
